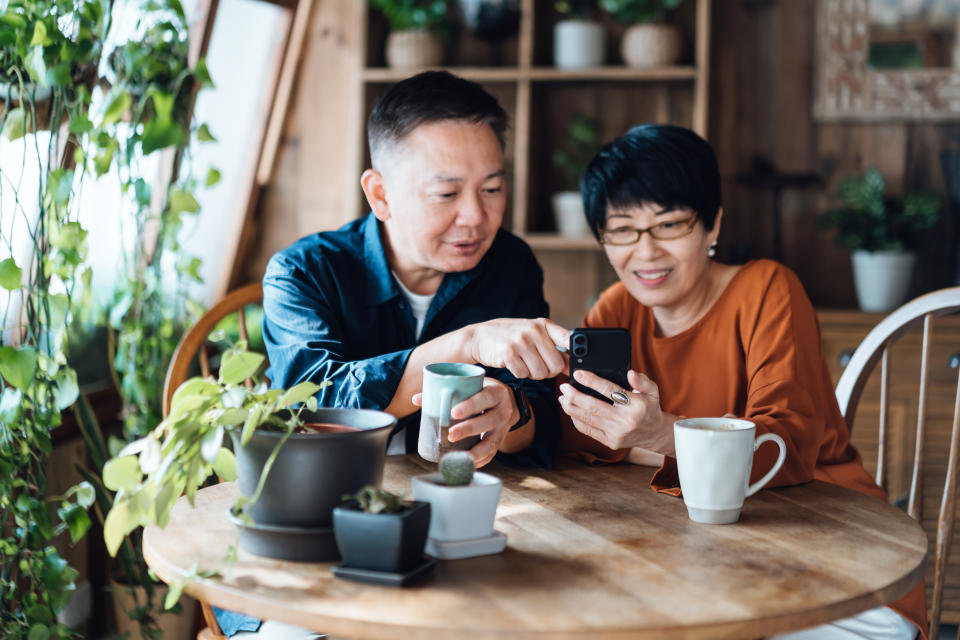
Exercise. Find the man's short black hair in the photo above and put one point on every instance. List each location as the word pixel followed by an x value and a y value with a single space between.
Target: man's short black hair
pixel 429 97
pixel 668 166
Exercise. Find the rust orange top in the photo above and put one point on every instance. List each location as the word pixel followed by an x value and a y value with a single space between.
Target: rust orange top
pixel 757 355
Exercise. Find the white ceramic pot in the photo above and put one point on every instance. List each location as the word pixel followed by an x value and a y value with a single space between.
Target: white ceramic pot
pixel 578 44
pixel 882 278
pixel 459 513
pixel 651 45
pixel 568 214
pixel 413 49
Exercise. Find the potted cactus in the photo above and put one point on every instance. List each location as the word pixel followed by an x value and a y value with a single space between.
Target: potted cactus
pixel 381 537
pixel 464 505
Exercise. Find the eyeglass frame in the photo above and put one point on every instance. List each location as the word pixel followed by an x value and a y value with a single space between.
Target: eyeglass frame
pixel 691 223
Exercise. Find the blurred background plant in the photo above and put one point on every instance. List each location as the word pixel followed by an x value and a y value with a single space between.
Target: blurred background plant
pixel 575 150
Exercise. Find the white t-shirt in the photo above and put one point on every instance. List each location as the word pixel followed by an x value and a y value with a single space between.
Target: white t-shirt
pixel 419 305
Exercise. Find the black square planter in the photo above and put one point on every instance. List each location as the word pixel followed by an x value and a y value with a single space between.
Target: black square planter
pixel 391 542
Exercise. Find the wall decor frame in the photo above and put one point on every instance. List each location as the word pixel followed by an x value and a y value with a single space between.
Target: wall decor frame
pixel 846 88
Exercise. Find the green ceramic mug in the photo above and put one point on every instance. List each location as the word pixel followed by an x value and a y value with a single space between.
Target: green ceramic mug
pixel 445 384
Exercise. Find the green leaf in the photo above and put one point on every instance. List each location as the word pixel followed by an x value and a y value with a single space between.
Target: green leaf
pixel 40 37
pixel 173 595
pixel 237 366
pixel 10 274
pixel 80 124
pixel 116 107
pixel 35 66
pixel 190 266
pixel 192 394
pixel 213 177
pixel 59 75
pixel 122 473
pixel 181 200
pixel 85 493
pixel 118 523
pixel 158 134
pixel 39 631
pixel 299 393
pixel 18 366
pixel 10 399
pixel 204 135
pixel 211 443
pixel 66 390
pixel 77 519
pixel 202 74
pixel 40 613
pixel 225 465
pixel 18 122
pixel 251 424
pixel 14 20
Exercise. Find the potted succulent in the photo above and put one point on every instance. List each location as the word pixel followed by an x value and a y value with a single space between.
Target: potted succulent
pixel 578 145
pixel 881 232
pixel 279 451
pixel 464 505
pixel 415 28
pixel 578 39
pixel 648 41
pixel 381 537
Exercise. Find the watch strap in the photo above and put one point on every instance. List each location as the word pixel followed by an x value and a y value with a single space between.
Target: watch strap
pixel 523 405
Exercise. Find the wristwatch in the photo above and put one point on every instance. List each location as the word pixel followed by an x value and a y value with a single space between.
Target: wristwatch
pixel 523 406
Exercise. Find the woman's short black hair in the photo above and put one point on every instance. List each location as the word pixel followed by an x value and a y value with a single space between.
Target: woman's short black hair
pixel 652 163
pixel 429 97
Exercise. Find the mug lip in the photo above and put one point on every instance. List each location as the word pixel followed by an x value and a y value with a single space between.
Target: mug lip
pixel 709 424
pixel 475 370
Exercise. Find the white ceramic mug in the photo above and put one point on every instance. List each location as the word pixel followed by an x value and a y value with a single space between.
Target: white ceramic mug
pixel 714 459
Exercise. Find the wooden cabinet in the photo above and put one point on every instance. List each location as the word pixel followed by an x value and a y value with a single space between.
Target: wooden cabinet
pixel 541 100
pixel 842 332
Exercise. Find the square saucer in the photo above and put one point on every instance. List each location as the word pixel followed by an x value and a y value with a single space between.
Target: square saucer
pixel 388 578
pixel 454 549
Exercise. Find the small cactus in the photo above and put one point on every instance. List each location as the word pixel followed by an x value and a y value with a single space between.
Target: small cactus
pixel 456 468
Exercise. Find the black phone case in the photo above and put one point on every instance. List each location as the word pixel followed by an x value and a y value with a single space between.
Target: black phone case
pixel 607 355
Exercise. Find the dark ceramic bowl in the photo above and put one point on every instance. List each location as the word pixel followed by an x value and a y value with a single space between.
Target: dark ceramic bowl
pixel 313 471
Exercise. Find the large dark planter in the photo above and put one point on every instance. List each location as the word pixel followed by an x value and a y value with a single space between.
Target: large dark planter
pixel 312 473
pixel 389 542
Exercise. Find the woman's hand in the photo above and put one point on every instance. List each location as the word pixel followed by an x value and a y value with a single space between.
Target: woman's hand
pixel 493 410
pixel 525 347
pixel 640 422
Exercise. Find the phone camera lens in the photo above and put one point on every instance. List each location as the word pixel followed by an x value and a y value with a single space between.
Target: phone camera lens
pixel 579 351
pixel 579 339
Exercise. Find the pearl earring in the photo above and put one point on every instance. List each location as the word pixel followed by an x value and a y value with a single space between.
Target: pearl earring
pixel 712 251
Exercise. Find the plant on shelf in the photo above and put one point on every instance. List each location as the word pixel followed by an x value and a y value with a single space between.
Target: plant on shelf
pixel 416 27
pixel 881 231
pixel 578 39
pixel 648 40
pixel 463 504
pixel 576 147
pixel 378 530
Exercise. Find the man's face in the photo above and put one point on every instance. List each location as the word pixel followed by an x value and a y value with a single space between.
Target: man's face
pixel 444 196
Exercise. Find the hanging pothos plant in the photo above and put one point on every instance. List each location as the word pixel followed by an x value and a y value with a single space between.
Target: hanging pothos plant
pixel 48 55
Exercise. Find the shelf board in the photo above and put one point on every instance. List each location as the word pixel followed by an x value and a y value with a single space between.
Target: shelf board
pixel 542 74
pixel 556 242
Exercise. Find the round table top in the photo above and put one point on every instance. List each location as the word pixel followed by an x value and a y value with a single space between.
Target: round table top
pixel 592 552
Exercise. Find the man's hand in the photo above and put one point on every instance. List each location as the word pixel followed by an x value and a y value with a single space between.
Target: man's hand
pixel 493 410
pixel 527 348
pixel 638 423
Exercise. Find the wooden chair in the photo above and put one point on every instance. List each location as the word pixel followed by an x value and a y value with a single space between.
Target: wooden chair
pixel 194 345
pixel 876 347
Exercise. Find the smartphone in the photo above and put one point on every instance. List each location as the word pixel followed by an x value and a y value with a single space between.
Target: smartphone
pixel 605 352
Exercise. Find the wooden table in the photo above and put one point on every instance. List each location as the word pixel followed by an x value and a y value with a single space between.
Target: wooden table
pixel 592 552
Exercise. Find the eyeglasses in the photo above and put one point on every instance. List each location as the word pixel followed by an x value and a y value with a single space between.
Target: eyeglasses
pixel 663 231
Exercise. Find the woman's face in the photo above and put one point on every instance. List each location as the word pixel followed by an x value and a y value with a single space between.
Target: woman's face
pixel 665 274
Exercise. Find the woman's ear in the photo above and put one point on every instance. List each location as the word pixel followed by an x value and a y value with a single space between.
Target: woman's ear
pixel 374 188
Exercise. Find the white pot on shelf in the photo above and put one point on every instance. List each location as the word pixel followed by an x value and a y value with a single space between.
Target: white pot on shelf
pixel 413 49
pixel 651 45
pixel 463 512
pixel 568 214
pixel 882 278
pixel 578 44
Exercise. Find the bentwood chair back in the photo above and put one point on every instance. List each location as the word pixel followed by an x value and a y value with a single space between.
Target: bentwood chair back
pixel 931 456
pixel 195 349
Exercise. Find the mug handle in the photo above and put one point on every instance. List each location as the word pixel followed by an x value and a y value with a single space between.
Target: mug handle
pixel 446 397
pixel 756 486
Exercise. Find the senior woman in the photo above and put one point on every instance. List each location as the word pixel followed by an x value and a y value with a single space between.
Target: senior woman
pixel 708 339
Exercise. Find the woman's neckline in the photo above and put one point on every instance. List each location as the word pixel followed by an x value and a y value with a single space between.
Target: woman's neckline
pixel 709 312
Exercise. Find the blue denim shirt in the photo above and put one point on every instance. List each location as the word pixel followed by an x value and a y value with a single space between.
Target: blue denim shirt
pixel 334 311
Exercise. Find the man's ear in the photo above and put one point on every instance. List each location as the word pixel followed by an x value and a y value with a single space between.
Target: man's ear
pixel 374 187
